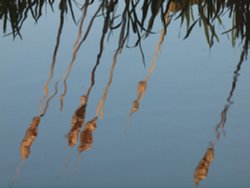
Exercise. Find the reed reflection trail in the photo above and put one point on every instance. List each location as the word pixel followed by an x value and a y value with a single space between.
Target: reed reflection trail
pixel 129 23
pixel 32 131
pixel 78 118
pixel 171 6
pixel 201 171
pixel 86 138
pixel 121 42
pixel 142 85
pixel 77 46
pixel 52 66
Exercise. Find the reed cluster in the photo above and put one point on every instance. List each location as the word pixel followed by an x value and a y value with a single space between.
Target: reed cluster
pixel 135 18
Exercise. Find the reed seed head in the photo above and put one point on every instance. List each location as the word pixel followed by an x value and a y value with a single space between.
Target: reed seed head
pixel 201 171
pixel 29 138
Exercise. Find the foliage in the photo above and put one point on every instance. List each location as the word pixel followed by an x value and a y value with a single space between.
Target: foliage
pixel 139 17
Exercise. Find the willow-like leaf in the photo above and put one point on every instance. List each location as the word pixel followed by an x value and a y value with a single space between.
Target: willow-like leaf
pixel 145 7
pixel 72 11
pixel 155 7
pixel 191 28
pixel 206 30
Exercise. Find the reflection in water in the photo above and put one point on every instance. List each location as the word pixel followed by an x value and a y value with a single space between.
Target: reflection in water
pixel 76 125
pixel 15 13
pixel 86 138
pixel 142 85
pixel 51 97
pixel 76 47
pixel 26 144
pixel 52 66
pixel 77 121
pixel 29 138
pixel 79 115
pixel 220 126
pixel 201 170
pixel 141 89
pixel 32 131
pixel 123 35
pixel 100 107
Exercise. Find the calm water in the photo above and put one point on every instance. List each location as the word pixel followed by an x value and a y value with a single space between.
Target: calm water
pixel 166 138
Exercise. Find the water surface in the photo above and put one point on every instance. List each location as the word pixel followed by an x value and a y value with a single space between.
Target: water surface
pixel 167 136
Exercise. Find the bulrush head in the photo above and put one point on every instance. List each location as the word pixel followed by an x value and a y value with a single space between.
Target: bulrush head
pixel 29 138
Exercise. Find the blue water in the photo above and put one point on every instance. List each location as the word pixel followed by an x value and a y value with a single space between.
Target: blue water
pixel 167 136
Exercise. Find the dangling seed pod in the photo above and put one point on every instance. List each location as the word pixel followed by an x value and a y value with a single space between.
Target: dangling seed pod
pixel 77 121
pixel 201 171
pixel 29 138
pixel 141 89
pixel 86 138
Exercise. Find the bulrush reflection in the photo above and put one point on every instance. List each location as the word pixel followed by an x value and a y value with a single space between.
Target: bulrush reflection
pixel 32 131
pixel 141 89
pixel 29 138
pixel 221 125
pixel 201 171
pixel 78 117
pixel 26 144
pixel 100 107
pixel 63 8
pixel 77 121
pixel 122 38
pixel 129 21
pixel 77 46
pixel 142 85
pixel 86 137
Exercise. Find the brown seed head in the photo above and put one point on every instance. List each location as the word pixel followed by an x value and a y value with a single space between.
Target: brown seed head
pixel 29 138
